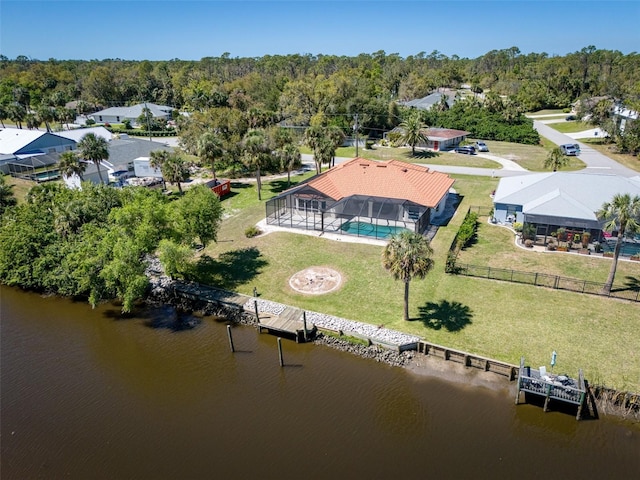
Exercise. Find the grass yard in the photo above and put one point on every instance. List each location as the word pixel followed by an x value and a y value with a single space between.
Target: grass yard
pixel 491 318
pixel 570 127
pixel 20 187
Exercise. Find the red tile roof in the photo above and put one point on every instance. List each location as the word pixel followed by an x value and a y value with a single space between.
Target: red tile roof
pixel 390 179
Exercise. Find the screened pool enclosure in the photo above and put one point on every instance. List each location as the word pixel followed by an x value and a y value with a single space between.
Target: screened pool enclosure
pixel 359 215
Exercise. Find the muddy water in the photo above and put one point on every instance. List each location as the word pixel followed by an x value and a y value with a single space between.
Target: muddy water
pixel 87 394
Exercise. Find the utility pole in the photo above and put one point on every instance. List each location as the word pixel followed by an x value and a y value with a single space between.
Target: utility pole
pixel 146 114
pixel 355 129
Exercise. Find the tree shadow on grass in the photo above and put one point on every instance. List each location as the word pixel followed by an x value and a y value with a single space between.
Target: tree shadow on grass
pixel 452 316
pixel 422 154
pixel 230 269
pixel 277 186
pixel 630 284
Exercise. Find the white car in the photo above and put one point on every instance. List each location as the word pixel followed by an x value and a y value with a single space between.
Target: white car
pixel 481 147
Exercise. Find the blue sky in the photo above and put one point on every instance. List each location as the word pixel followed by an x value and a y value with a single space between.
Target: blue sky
pixel 191 30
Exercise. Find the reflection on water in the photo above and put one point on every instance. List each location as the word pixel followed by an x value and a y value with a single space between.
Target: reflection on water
pixel 88 394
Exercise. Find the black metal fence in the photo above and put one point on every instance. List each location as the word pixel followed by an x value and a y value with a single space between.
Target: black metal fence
pixel 632 292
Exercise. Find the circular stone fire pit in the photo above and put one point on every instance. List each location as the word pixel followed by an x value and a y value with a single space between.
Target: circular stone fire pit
pixel 316 280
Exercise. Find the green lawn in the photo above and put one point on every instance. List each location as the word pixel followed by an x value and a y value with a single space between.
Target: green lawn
pixel 490 318
pixel 570 127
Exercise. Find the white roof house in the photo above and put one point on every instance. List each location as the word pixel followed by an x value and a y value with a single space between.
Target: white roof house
pixel 559 198
pixel 19 141
pixel 77 134
pixel 119 114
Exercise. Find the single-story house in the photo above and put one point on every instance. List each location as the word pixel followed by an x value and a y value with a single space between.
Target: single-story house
pixel 559 200
pixel 120 114
pixel 439 139
pixel 78 134
pixel 122 154
pixel 427 103
pixel 23 142
pixel 365 198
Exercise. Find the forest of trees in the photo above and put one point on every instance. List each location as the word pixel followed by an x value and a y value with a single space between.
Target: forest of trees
pixel 230 96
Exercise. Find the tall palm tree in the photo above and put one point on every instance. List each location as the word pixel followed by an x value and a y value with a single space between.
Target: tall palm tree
pixel 413 131
pixel 157 158
pixel 555 160
pixel 175 170
pixel 210 149
pixel 622 213
pixel 17 114
pixel 94 149
pixel 255 146
pixel 70 164
pixel 407 256
pixel 289 155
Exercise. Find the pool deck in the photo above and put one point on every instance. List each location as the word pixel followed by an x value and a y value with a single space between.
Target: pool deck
pixel 262 225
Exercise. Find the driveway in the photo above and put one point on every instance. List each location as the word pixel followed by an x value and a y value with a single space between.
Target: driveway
pixel 595 161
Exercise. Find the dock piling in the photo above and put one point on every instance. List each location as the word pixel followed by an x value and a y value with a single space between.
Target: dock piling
pixel 280 352
pixel 230 339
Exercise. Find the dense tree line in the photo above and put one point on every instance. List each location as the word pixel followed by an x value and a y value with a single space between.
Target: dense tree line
pixel 231 96
pixel 93 242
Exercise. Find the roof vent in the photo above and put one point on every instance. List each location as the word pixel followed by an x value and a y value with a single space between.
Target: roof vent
pixel 405 170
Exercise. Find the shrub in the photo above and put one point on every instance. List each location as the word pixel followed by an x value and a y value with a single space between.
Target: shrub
pixel 517 226
pixel 252 231
pixel 528 243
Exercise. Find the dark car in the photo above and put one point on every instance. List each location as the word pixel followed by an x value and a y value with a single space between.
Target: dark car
pixel 569 118
pixel 468 149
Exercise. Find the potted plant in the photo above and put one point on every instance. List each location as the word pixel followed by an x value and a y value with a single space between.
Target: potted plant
pixel 586 236
pixel 561 234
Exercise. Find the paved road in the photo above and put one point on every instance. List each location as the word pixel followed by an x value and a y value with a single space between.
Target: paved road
pixel 596 162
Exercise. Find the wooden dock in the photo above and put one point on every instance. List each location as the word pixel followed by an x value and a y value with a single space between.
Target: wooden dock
pixel 291 323
pixel 552 387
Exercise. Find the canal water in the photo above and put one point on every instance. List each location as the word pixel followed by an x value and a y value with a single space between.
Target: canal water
pixel 86 394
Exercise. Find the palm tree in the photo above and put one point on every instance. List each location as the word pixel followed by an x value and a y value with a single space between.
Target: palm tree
pixel 621 213
pixel 70 164
pixel 555 159
pixel 175 170
pixel 407 256
pixel 17 114
pixel 94 149
pixel 413 131
pixel 157 159
pixel 209 149
pixel 336 137
pixel 254 147
pixel 289 155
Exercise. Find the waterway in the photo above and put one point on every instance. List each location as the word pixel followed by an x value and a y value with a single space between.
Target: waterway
pixel 87 394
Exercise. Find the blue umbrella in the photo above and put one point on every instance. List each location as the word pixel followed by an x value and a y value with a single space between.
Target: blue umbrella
pixel 554 355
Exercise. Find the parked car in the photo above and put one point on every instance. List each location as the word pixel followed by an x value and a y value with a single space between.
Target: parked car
pixel 468 149
pixel 570 149
pixel 570 118
pixel 481 147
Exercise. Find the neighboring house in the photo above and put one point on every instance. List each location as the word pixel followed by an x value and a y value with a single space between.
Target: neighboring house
pixel 120 114
pixel 364 197
pixel 559 200
pixel 439 138
pixel 426 103
pixel 122 154
pixel 624 115
pixel 142 168
pixel 22 142
pixel 77 134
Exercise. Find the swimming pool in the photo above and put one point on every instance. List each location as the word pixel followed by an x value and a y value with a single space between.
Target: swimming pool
pixel 628 248
pixel 363 229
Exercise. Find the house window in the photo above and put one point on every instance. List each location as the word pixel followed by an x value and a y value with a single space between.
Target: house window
pixel 310 205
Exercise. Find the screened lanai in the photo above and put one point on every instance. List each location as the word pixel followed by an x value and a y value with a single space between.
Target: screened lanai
pixel 363 198
pixel 359 215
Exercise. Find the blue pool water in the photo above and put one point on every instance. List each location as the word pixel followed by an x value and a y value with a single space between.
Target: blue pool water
pixel 369 230
pixel 628 248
